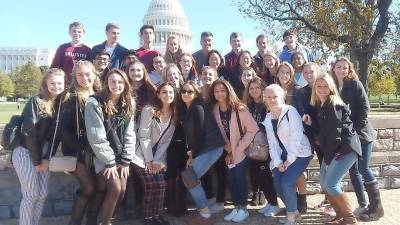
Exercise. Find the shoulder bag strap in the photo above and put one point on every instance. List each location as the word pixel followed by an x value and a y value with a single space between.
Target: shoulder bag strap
pixel 239 124
pixel 162 134
pixel 55 130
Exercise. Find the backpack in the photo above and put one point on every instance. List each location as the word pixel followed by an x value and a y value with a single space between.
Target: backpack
pixel 11 137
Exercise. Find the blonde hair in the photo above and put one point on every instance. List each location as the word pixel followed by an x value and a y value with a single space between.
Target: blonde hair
pixel 46 101
pixel 277 61
pixel 334 96
pixel 352 73
pixel 289 87
pixel 278 90
pixel 172 66
pixel 81 94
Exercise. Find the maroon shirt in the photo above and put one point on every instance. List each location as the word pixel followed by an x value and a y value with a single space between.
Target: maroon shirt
pixel 146 57
pixel 65 57
pixel 231 61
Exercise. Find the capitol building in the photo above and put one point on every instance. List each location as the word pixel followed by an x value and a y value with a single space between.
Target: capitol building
pixel 168 18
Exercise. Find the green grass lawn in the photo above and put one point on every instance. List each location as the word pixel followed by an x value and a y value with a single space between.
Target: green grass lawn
pixel 7 109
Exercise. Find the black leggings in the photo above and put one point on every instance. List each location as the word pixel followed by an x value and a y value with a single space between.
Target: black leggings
pixel 261 180
pixel 109 193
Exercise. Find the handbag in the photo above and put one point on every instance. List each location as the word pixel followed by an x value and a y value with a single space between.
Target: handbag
pixel 62 163
pixel 258 148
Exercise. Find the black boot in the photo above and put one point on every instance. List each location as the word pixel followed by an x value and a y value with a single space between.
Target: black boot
pixel 375 208
pixel 78 208
pixel 302 203
pixel 94 207
pixel 255 199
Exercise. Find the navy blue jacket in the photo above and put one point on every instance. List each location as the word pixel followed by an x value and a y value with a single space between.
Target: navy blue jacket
pixel 116 59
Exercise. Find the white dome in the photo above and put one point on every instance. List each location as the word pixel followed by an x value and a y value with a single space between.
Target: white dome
pixel 168 18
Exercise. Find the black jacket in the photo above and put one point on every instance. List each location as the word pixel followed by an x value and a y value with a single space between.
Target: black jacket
pixel 201 129
pixel 336 134
pixel 353 93
pixel 37 131
pixel 176 153
pixel 303 106
pixel 74 142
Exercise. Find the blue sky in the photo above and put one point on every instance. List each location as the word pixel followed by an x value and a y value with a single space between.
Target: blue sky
pixel 44 23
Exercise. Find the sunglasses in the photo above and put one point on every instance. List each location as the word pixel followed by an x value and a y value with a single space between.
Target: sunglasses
pixel 189 92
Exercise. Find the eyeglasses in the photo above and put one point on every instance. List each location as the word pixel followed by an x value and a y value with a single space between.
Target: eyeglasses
pixel 158 62
pixel 188 92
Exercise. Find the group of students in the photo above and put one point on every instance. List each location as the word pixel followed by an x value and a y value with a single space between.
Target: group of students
pixel 174 122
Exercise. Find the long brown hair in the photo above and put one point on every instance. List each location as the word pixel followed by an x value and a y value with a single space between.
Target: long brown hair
pixel 157 104
pixel 82 94
pixel 46 101
pixel 146 78
pixel 126 97
pixel 232 100
pixel 352 73
pixel 247 99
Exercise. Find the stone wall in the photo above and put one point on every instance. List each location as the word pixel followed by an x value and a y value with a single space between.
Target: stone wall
pixel 385 165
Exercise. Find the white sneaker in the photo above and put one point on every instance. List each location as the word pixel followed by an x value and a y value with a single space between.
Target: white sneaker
pixel 359 210
pixel 216 207
pixel 231 215
pixel 241 215
pixel 273 211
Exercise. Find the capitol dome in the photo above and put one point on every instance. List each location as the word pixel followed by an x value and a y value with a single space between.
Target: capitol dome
pixel 168 18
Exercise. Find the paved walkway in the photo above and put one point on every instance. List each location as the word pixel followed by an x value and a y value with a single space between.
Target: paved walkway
pixel 391 202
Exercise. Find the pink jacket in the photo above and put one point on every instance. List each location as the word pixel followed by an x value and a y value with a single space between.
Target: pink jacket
pixel 235 144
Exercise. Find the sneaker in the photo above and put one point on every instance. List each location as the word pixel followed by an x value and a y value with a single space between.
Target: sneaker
pixel 216 207
pixel 241 215
pixel 359 210
pixel 322 204
pixel 264 209
pixel 231 215
pixel 273 211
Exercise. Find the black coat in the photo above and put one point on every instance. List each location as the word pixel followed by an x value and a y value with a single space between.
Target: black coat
pixel 37 131
pixel 353 93
pixel 176 153
pixel 74 142
pixel 303 106
pixel 201 129
pixel 336 134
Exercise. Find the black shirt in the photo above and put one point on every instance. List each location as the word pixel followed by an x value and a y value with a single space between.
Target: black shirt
pixel 225 120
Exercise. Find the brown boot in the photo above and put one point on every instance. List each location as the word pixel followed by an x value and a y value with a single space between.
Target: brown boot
pixel 344 208
pixel 338 216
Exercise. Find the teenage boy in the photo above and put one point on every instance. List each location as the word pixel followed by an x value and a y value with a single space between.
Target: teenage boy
pixel 291 46
pixel 206 42
pixel 67 54
pixel 100 63
pixel 128 58
pixel 261 42
pixel 111 45
pixel 232 57
pixel 147 52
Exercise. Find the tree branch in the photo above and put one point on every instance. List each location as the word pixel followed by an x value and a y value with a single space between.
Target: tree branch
pixel 382 25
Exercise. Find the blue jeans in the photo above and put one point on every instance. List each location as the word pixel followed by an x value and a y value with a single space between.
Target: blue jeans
pixel 360 172
pixel 285 183
pixel 331 176
pixel 238 182
pixel 201 164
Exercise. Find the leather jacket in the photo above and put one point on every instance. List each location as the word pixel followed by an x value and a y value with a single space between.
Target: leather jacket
pixel 37 130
